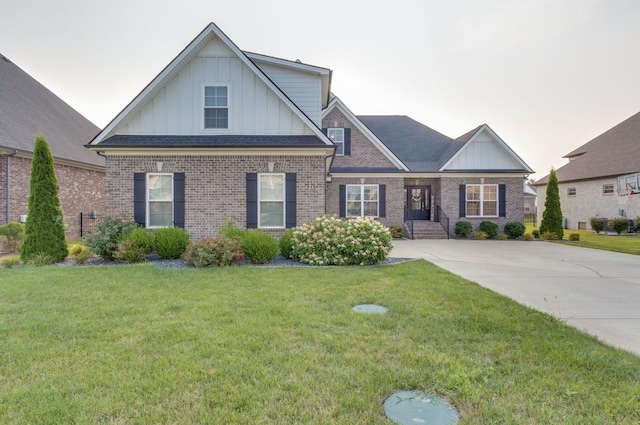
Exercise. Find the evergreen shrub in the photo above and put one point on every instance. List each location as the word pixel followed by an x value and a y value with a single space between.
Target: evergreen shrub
pixel 514 229
pixel 575 237
pixel 535 233
pixel 396 231
pixel 170 242
pixel 104 237
pixel 285 243
pixel 527 237
pixel 552 214
pixel 597 224
pixel 480 235
pixel 134 246
pixel 619 224
pixel 259 247
pixel 490 228
pixel 463 229
pixel 79 254
pixel 13 234
pixel 10 261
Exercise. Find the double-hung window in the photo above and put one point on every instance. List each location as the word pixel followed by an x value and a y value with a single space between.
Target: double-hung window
pixel 362 200
pixel 271 200
pixel 216 107
pixel 159 200
pixel 336 135
pixel 482 200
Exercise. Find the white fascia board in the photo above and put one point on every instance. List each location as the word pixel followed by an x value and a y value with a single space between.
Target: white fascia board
pixel 305 151
pixel 414 175
pixel 337 103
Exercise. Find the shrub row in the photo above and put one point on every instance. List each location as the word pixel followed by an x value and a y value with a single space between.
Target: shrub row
pixel 489 230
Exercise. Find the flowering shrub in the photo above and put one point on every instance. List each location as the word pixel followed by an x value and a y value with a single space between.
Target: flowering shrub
pixel 104 237
pixel 329 240
pixel 219 251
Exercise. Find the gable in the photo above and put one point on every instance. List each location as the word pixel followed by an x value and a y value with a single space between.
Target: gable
pixel 485 151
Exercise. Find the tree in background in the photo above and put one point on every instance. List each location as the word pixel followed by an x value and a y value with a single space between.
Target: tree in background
pixel 552 215
pixel 44 231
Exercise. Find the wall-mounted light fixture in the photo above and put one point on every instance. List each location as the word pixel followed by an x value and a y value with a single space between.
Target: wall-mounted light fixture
pixel 329 177
pixel 93 215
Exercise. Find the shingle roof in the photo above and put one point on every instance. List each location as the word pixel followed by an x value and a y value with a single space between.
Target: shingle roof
pixel 27 108
pixel 419 147
pixel 210 141
pixel 615 152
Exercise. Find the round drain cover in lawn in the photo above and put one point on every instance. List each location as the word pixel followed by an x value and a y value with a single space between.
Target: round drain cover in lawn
pixel 370 308
pixel 415 407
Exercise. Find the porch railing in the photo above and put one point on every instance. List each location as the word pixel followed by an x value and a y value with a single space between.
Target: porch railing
pixel 443 219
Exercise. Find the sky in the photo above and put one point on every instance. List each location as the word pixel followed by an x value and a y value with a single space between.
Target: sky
pixel 546 75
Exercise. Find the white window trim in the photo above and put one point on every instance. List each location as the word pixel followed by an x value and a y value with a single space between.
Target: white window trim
pixel 202 107
pixel 284 200
pixel 147 200
pixel 336 143
pixel 362 200
pixel 481 200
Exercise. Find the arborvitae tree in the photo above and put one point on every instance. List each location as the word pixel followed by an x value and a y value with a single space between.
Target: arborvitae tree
pixel 44 230
pixel 552 215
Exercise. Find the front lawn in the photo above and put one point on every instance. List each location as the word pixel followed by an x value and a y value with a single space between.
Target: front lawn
pixel 143 345
pixel 626 243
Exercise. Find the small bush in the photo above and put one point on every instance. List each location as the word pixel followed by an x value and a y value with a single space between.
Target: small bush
pixel 548 236
pixel 619 224
pixel 219 251
pixel 396 231
pixel 79 254
pixel 230 230
pixel 40 259
pixel 13 233
pixel 259 247
pixel 104 237
pixel 463 229
pixel 135 246
pixel 514 229
pixel 170 242
pixel 527 237
pixel 574 237
pixel 503 236
pixel 535 233
pixel 597 224
pixel 10 261
pixel 329 240
pixel 490 228
pixel 285 243
pixel 479 235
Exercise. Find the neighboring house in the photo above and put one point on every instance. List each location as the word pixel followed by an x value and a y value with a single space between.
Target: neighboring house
pixel 26 109
pixel 601 178
pixel 226 133
pixel 530 205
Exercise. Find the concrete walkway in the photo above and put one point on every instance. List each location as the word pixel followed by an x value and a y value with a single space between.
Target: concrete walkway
pixel 595 291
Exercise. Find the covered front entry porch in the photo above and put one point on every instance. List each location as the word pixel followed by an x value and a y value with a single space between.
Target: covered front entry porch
pixel 422 213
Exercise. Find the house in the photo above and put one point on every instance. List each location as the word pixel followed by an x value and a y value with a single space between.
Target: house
pixel 530 203
pixel 225 133
pixel 601 178
pixel 26 109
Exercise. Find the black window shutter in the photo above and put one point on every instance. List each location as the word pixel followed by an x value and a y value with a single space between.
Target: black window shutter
pixel 139 198
pixel 463 200
pixel 343 200
pixel 502 200
pixel 290 208
pixel 252 200
pixel 178 200
pixel 324 130
pixel 382 201
pixel 347 141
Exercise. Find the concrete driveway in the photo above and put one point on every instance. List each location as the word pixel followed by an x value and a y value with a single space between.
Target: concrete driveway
pixel 592 290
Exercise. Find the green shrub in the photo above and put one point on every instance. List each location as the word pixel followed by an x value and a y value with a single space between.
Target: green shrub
pixel 170 242
pixel 135 246
pixel 40 259
pixel 480 235
pixel 80 254
pixel 463 229
pixel 396 231
pixel 10 261
pixel 619 224
pixel 527 237
pixel 329 240
pixel 490 228
pixel 552 214
pixel 514 229
pixel 285 243
pixel 503 236
pixel 574 237
pixel 13 234
pixel 104 237
pixel 549 236
pixel 259 247
pixel 597 224
pixel 219 251
pixel 230 230
pixel 535 233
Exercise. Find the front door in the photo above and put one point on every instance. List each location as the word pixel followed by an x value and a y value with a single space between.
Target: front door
pixel 417 203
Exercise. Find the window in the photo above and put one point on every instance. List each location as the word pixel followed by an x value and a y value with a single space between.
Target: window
pixel 216 107
pixel 607 189
pixel 362 200
pixel 271 199
pixel 571 191
pixel 337 136
pixel 159 200
pixel 482 200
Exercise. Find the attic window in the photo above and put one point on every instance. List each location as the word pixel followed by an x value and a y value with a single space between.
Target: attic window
pixel 216 107
pixel 337 137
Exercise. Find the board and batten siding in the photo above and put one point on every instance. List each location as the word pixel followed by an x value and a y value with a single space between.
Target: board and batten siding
pixel 178 107
pixel 483 153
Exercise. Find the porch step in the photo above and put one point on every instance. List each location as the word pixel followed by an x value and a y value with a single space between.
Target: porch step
pixel 424 230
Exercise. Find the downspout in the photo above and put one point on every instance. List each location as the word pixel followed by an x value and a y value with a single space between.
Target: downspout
pixel 9 185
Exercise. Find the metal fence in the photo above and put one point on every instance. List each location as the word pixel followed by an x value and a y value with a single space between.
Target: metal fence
pixel 88 221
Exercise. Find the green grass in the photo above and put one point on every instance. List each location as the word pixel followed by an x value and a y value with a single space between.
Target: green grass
pixel 626 243
pixel 142 345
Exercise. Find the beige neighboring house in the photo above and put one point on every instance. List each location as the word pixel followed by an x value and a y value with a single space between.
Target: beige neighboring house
pixel 26 109
pixel 601 178
pixel 530 202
